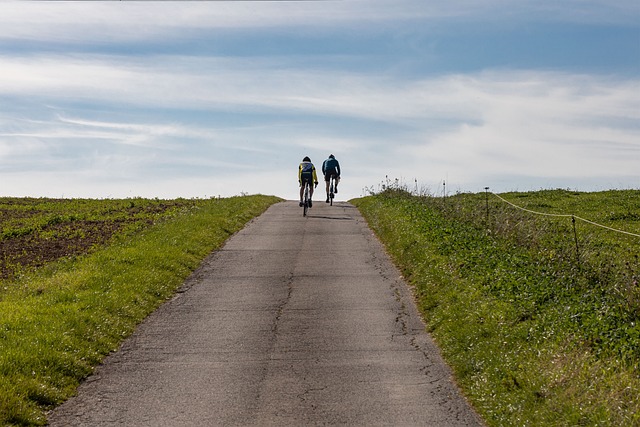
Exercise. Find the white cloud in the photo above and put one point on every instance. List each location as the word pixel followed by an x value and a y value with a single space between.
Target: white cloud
pixel 108 22
pixel 544 125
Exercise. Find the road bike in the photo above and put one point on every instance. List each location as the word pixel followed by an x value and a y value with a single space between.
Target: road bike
pixel 331 189
pixel 307 200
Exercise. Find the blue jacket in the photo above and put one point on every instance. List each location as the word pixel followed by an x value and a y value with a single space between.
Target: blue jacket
pixel 330 165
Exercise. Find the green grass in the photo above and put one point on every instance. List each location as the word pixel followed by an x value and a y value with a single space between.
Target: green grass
pixel 59 321
pixel 537 332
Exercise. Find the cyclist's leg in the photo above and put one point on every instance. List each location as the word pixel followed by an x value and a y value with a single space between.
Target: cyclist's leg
pixel 309 182
pixel 335 190
pixel 327 180
pixel 304 179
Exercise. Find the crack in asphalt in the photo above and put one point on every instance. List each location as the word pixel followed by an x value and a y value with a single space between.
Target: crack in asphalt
pixel 273 339
pixel 280 309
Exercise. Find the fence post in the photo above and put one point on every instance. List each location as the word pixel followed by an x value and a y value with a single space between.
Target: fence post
pixel 575 237
pixel 486 197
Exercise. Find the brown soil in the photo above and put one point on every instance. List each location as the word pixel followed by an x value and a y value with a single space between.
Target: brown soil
pixel 32 251
pixel 65 239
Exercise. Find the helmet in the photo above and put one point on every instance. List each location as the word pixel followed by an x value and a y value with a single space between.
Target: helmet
pixel 306 159
pixel 331 156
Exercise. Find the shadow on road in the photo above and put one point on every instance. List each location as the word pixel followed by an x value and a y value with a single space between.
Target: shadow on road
pixel 339 218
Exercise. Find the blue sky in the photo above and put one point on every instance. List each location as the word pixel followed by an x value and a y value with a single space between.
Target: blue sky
pixel 207 98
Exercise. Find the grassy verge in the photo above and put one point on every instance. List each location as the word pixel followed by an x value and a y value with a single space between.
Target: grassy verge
pixel 536 332
pixel 59 321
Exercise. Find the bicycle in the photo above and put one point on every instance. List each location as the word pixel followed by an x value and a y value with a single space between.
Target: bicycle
pixel 305 206
pixel 331 187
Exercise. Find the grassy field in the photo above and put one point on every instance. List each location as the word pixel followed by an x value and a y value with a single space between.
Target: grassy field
pixel 35 232
pixel 538 320
pixel 79 275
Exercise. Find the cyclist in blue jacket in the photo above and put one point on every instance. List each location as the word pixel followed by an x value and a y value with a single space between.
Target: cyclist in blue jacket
pixel 331 167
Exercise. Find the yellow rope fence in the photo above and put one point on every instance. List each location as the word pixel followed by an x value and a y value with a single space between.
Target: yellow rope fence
pixel 566 216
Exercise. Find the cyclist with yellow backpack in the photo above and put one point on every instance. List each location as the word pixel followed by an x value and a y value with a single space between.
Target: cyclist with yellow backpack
pixel 307 175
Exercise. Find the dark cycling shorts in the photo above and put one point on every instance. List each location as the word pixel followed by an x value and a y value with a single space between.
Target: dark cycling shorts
pixel 306 177
pixel 328 174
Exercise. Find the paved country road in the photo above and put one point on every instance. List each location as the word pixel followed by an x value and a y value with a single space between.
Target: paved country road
pixel 295 321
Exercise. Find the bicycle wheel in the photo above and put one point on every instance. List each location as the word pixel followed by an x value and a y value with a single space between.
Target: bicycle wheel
pixel 331 194
pixel 305 207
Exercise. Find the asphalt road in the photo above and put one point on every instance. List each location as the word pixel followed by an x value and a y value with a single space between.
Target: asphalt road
pixel 296 321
